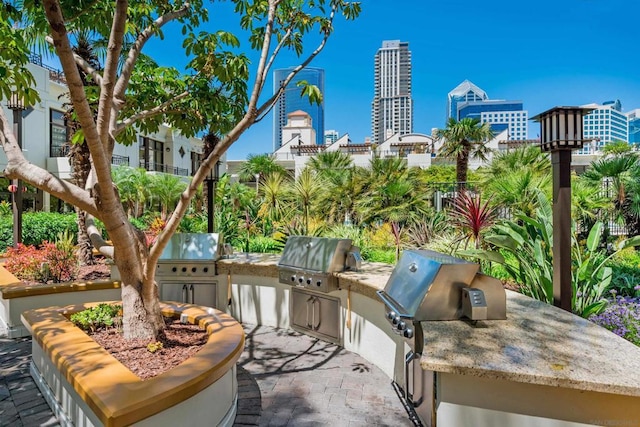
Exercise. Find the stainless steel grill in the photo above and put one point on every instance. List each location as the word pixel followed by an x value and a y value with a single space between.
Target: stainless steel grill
pixel 309 264
pixel 428 286
pixel 187 267
pixel 311 261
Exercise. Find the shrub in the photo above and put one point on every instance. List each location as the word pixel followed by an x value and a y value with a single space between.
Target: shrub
pixel 94 318
pixel 622 317
pixel 263 244
pixel 54 262
pixel 381 255
pixel 625 267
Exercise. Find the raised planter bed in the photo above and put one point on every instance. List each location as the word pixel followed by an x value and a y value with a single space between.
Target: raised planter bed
pixel 85 385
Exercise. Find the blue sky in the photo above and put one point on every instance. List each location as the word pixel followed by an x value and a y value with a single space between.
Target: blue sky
pixel 544 53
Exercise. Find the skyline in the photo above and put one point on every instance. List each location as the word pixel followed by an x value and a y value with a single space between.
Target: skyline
pixel 511 51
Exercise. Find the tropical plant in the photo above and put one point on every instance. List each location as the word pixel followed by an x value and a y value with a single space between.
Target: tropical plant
pixel 472 217
pixel 463 140
pixel 528 241
pixel 259 165
pixel 392 197
pixel 166 190
pixel 305 192
pixel 139 95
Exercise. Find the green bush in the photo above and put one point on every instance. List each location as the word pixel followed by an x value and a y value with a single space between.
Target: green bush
pixel 94 318
pixel 38 227
pixel 625 267
pixel 380 255
pixel 262 244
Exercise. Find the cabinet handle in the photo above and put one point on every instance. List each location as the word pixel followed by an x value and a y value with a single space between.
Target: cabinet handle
pixel 185 293
pixel 316 325
pixel 193 293
pixel 309 302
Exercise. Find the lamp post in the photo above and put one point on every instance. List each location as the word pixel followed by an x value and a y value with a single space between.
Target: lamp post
pixel 16 104
pixel 560 133
pixel 212 181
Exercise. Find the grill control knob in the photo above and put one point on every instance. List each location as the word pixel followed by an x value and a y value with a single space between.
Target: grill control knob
pixel 391 315
pixel 408 333
pixel 174 269
pixel 293 278
pixel 193 269
pixel 319 283
pixel 308 281
pixel 401 326
pixel 301 279
pixel 206 269
pixel 396 320
pixel 184 269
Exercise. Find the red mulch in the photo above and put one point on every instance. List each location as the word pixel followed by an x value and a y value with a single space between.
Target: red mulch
pixel 180 342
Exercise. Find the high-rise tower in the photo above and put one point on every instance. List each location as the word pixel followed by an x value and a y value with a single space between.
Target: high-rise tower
pixel 291 101
pixel 392 106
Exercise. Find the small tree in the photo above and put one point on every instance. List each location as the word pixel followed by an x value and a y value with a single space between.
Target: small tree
pixel 137 94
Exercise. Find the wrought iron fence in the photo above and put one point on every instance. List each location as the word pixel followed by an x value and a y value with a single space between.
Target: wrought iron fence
pixel 173 170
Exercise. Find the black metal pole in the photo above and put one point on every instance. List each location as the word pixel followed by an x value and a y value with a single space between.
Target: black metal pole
pixel 17 195
pixel 210 197
pixel 561 162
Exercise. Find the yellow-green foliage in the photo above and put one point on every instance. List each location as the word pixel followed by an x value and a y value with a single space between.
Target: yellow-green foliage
pixel 381 237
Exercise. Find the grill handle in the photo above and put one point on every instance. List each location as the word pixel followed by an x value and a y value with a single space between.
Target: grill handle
pixel 392 304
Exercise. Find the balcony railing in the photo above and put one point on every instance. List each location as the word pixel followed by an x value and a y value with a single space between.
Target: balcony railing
pixel 117 160
pixel 54 74
pixel 164 169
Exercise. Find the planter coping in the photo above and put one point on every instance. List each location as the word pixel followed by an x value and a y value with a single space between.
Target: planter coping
pixel 21 289
pixel 6 277
pixel 116 395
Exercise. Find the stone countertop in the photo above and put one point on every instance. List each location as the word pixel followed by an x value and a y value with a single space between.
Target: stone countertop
pixel 537 344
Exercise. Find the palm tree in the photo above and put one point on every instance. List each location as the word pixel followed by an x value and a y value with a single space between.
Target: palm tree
pixel 273 205
pixel 330 163
pixel 305 191
pixel 257 166
pixel 79 155
pixel 394 197
pixel 463 140
pixel 166 190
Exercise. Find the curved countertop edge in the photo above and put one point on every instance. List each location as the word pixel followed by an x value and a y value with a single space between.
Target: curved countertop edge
pixel 537 344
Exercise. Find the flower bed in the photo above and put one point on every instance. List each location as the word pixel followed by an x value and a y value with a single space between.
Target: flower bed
pixel 622 317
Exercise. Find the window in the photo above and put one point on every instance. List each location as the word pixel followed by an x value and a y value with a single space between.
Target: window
pixel 152 155
pixel 58 134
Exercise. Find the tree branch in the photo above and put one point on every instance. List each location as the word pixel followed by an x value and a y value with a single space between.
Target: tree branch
pixel 136 48
pixel 268 105
pixel 147 113
pixel 18 167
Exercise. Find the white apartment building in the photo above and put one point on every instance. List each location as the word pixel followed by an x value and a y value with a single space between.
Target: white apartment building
pixel 392 105
pixel 45 139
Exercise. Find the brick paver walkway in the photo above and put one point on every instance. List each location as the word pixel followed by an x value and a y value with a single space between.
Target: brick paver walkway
pixel 284 379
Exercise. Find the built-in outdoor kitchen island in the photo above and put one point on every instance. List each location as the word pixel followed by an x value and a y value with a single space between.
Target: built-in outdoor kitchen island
pixel 540 366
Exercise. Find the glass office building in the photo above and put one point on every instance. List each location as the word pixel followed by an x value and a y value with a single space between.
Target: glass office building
pixel 464 92
pixel 499 114
pixel 606 123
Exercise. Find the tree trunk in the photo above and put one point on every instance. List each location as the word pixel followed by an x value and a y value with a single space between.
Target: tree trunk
pixel 85 249
pixel 142 317
pixel 462 165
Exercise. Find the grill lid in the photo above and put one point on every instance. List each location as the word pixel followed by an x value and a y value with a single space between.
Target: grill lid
pixel 317 254
pixel 426 285
pixel 192 246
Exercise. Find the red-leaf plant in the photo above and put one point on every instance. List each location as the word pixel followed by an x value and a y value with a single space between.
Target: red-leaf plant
pixel 472 215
